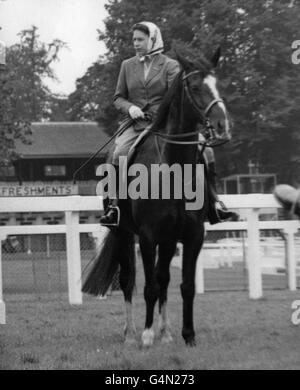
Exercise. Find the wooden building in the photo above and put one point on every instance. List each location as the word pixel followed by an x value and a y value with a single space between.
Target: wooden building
pixel 45 167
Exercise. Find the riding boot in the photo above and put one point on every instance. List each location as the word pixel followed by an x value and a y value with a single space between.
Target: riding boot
pixel 111 216
pixel 217 211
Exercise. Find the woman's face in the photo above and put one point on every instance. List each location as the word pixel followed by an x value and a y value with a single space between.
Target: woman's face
pixel 140 42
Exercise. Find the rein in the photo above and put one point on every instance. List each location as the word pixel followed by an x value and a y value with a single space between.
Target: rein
pixel 212 139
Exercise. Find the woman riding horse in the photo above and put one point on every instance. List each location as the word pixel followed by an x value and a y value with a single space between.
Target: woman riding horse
pixel 143 81
pixel 161 222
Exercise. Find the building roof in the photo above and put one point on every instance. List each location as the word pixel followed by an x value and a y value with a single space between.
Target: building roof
pixel 63 139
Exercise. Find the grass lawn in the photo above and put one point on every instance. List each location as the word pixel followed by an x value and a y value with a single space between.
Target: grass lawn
pixel 233 332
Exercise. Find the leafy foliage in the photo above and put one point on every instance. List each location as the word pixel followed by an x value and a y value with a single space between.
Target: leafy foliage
pixel 30 63
pixel 11 125
pixel 257 75
pixel 24 96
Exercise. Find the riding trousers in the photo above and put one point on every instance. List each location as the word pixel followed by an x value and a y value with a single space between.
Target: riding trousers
pixel 123 143
pixel 129 136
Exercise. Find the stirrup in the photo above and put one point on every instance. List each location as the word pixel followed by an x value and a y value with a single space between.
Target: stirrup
pixel 118 217
pixel 215 216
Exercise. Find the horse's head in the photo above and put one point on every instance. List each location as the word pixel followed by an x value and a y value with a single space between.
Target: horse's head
pixel 200 86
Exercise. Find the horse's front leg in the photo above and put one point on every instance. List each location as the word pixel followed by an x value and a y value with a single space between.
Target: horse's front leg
pixel 165 255
pixel 191 249
pixel 151 290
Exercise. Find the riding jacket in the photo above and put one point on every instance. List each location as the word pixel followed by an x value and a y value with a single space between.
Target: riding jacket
pixel 133 89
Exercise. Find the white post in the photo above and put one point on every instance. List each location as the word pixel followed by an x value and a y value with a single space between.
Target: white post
pixel 291 259
pixel 2 304
pixel 73 257
pixel 254 266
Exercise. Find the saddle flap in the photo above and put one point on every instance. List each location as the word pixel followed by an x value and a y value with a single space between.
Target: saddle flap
pixel 134 146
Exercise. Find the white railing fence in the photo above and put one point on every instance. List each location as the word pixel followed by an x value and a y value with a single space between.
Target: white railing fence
pixel 72 206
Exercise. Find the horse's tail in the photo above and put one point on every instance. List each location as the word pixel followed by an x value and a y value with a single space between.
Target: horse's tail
pixel 117 249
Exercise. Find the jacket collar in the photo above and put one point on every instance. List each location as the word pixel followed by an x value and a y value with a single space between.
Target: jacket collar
pixel 156 66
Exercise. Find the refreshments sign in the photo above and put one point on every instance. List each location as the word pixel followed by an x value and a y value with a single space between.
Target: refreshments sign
pixel 37 189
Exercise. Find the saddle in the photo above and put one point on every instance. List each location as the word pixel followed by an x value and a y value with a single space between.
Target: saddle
pixel 137 142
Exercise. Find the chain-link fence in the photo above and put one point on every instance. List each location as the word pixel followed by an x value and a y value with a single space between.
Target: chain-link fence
pixel 37 264
pixel 274 259
pixel 225 258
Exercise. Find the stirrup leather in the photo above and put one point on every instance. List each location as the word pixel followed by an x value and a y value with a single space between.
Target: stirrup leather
pixel 222 204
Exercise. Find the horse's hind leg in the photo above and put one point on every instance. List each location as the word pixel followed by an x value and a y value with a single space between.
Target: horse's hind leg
pixel 165 254
pixel 191 249
pixel 126 278
pixel 151 290
pixel 129 328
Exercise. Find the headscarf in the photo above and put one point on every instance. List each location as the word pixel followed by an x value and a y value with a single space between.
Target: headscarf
pixel 155 42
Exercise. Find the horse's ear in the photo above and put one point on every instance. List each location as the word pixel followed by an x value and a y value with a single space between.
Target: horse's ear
pixel 183 61
pixel 215 58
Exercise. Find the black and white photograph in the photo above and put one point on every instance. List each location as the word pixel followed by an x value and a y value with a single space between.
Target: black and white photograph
pixel 149 188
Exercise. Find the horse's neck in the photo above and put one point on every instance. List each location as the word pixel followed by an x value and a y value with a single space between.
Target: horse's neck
pixel 180 122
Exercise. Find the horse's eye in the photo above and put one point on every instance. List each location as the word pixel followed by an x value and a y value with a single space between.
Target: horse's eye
pixel 195 88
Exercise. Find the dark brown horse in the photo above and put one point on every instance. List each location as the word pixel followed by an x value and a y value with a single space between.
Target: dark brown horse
pixel 193 99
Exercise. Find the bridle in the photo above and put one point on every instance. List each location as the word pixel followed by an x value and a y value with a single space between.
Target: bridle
pixel 212 139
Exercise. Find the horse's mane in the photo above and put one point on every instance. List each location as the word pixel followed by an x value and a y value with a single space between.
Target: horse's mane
pixel 162 114
pixel 163 110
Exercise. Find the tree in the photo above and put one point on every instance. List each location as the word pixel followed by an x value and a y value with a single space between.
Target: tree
pixel 30 62
pixel 266 111
pixel 258 78
pixel 23 95
pixel 57 109
pixel 93 96
pixel 11 124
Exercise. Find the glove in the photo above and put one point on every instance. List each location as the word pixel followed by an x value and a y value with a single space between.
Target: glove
pixel 135 112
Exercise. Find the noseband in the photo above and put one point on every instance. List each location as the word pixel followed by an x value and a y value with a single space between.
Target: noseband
pixel 212 139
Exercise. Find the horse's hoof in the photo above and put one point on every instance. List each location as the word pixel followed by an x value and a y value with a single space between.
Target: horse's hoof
pixel 147 338
pixel 191 342
pixel 130 341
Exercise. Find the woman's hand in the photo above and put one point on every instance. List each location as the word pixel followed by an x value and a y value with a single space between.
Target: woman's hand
pixel 136 113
